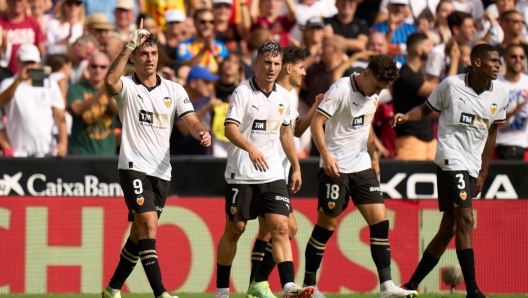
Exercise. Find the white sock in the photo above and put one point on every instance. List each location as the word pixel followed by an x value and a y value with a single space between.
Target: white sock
pixel 218 290
pixel 286 287
pixel 386 285
pixel 112 290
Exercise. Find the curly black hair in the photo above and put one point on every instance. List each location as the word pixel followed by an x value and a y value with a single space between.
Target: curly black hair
pixel 292 55
pixel 384 68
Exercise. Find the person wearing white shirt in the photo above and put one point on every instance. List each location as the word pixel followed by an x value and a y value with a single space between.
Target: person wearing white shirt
pixel 512 137
pixel 32 110
pixel 67 28
pixel 471 107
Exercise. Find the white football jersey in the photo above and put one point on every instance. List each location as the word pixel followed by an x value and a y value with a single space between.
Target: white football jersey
pixel 259 117
pixel 347 130
pixel 464 121
pixel 147 115
pixel 515 131
pixel 294 116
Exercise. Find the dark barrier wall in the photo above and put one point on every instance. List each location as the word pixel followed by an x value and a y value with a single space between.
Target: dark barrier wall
pixel 203 176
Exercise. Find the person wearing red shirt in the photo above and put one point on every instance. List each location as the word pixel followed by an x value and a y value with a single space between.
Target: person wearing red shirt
pixel 20 29
pixel 265 14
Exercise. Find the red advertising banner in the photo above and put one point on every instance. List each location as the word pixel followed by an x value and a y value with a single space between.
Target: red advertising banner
pixel 66 244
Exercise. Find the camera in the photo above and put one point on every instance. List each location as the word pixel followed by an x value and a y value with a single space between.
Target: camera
pixel 39 74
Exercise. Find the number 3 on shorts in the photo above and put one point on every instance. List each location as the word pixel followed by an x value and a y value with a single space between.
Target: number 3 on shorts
pixel 332 191
pixel 461 184
pixel 138 186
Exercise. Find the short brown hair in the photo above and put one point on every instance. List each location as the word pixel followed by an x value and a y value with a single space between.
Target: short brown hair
pixel 292 55
pixel 152 40
pixel 384 68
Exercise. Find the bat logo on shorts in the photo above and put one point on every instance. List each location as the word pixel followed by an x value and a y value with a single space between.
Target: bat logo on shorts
pixel 331 205
pixel 233 210
pixel 463 195
pixel 140 200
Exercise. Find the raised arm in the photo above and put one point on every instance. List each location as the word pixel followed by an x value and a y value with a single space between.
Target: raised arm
pixel 112 81
pixel 286 139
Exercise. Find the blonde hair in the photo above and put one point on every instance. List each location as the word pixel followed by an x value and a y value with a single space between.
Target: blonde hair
pixel 62 15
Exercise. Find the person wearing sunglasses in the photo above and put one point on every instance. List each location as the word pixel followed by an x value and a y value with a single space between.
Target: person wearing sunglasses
pixel 93 112
pixel 512 137
pixel 203 49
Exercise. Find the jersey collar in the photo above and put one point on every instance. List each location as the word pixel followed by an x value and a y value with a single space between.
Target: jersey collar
pixel 137 81
pixel 467 81
pixel 355 87
pixel 255 87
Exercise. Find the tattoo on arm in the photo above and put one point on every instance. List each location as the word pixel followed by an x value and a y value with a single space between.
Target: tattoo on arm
pixel 125 54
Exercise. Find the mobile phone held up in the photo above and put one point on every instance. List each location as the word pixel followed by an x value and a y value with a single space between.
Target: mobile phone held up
pixel 39 74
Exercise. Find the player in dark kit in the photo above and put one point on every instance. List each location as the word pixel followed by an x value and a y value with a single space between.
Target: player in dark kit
pixel 471 106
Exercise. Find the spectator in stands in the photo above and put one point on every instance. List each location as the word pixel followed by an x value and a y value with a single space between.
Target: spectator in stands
pixel 308 9
pixel 124 19
pixel 38 12
pixel 249 55
pixel 112 46
pixel 462 28
pixel 32 110
pixel 414 140
pixel 265 14
pixel 150 25
pixel 396 29
pixel 94 112
pixel 512 24
pixel 79 52
pixel 174 31
pixel 320 76
pixel 231 75
pixel 416 9
pixel 440 32
pixel 60 71
pixel 200 94
pixel 313 34
pixel 500 6
pixel 473 7
pixel 98 26
pixel 512 137
pixel 4 142
pixel 203 49
pixel 66 28
pixel 20 29
pixel 104 6
pixel 344 23
pixel 156 8
pixel 377 44
pixel 230 34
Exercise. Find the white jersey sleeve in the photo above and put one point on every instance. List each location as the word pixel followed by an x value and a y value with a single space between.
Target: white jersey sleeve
pixel 331 101
pixel 436 61
pixel 184 106
pixel 122 95
pixel 437 100
pixel 237 107
pixel 500 117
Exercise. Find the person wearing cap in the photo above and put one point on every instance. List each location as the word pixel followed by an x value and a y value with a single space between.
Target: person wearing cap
pixel 230 34
pixel 199 89
pixel 124 19
pixel 344 23
pixel 106 7
pixel 33 110
pixel 307 9
pixel 66 28
pixel 396 29
pixel 20 29
pixel 203 49
pixel 265 14
pixel 98 26
pixel 174 19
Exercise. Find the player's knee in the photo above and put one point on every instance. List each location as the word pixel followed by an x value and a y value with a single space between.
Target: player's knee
pixel 281 229
pixel 380 230
pixel 234 232
pixel 465 221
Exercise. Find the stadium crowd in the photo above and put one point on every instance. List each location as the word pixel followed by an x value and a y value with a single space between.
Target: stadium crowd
pixel 209 47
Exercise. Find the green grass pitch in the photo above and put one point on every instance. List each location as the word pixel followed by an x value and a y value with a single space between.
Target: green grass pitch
pixel 211 295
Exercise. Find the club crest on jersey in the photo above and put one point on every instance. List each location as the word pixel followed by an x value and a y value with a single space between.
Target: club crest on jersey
pixel 281 109
pixel 167 101
pixel 233 210
pixel 331 205
pixel 375 103
pixel 463 195
pixel 493 108
pixel 140 200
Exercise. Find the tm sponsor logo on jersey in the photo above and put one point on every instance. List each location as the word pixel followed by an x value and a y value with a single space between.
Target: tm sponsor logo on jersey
pixel 155 120
pixel 473 120
pixel 359 121
pixel 266 126
pixel 39 185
